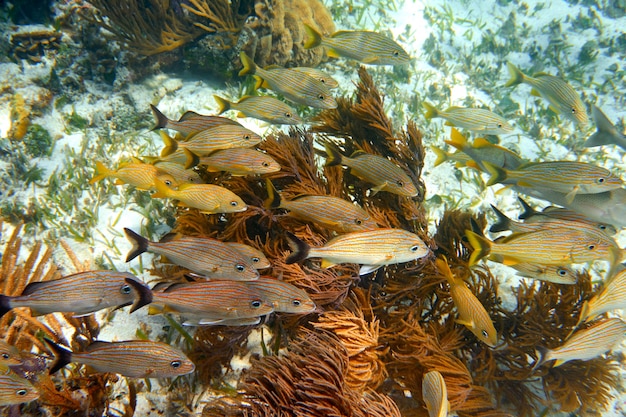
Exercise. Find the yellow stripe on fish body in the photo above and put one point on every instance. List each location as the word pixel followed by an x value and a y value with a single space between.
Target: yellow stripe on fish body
pixel 611 297
pixel 586 344
pixel 255 256
pixel 190 122
pixel 570 177
pixel 240 161
pixel 477 120
pixel 264 108
pixel 561 96
pixel 380 171
pixel 180 174
pixel 364 46
pixel 81 293
pixel 320 75
pixel 132 358
pixel 213 139
pixel 551 273
pixel 207 198
pixel 435 394
pixel 15 390
pixel 332 212
pixel 484 151
pixel 9 355
pixel 472 313
pixel 136 173
pixel 293 85
pixel 211 258
pixel 285 297
pixel 372 249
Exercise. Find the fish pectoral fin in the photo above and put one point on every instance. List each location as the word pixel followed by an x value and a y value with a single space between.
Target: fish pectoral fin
pixel 327 264
pixel 378 188
pixel 366 269
pixel 465 323
pixel 554 109
pixel 558 362
pixel 535 93
pixel 569 197
pixel 508 261
pixel 370 59
pixel 448 123
pixel 119 182
pixel 332 53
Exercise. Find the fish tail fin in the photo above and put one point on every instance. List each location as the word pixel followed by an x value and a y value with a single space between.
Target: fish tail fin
pixel 457 140
pixel 249 67
pixel 517 76
pixel 440 154
pixel 528 210
pixel 161 119
pixel 498 174
pixel 162 190
pixel 191 159
pixel 503 224
pixel 144 293
pixel 542 356
pixel 101 172
pixel 431 111
pixel 300 249
pixel 5 304
pixel 170 144
pixel 273 197
pixel 481 246
pixel 62 356
pixel 222 103
pixel 334 156
pixel 140 244
pixel 444 269
pixel 315 38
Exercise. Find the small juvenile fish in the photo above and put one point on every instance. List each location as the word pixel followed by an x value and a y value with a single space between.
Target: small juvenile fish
pixel 472 313
pixel 611 297
pixel 136 173
pixel 264 108
pixel 477 120
pixel 9 355
pixel 435 394
pixel 550 273
pixel 256 257
pixel 240 161
pixel 211 301
pixel 15 389
pixel 190 122
pixel 132 358
pixel 561 96
pixel 210 140
pixel 372 249
pixel 380 171
pixel 364 46
pixel 82 293
pixel 284 297
pixel 585 344
pixel 178 171
pixel 207 198
pixel 320 75
pixel 293 85
pixel 332 212
pixel 208 257
pixel 484 151
pixel 459 158
pixel 570 177
pixel 606 132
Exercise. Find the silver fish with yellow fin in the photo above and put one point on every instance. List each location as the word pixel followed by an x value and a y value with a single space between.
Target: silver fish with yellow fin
pixel 484 151
pixel 364 46
pixel 551 273
pixel 132 358
pixel 266 108
pixel 472 313
pixel 15 390
pixel 207 257
pixel 240 162
pixel 562 97
pixel 372 249
pixel 320 75
pixel 190 122
pixel 284 297
pixel 210 140
pixel 81 293
pixel 606 133
pixel 435 394
pixel 475 119
pixel 380 171
pixel 135 173
pixel 585 344
pixel 294 85
pixel 207 198
pixel 611 297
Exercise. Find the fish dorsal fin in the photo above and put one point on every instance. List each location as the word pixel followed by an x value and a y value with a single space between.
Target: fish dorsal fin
pixel 481 143
pixel 170 237
pixel 452 108
pixel 174 286
pixel 161 286
pixel 189 114
pixel 32 287
pixel 98 344
pixel 358 153
pixel 327 264
pixel 136 160
pixel 541 74
pixel 366 269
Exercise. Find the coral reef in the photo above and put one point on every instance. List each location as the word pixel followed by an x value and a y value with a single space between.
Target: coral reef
pixel 33 44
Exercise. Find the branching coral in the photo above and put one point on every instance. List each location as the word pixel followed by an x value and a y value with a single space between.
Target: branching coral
pixel 221 15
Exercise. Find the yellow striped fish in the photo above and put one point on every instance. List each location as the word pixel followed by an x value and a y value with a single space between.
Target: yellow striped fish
pixel 132 358
pixel 380 171
pixel 585 344
pixel 477 120
pixel 472 313
pixel 207 257
pixel 611 297
pixel 209 302
pixel 178 171
pixel 264 108
pixel 459 158
pixel 240 161
pixel 320 75
pixel 332 212
pixel 9 355
pixel 211 140
pixel 256 257
pixel 207 198
pixel 552 273
pixel 435 394
pixel 561 96
pixel 190 122
pixel 372 249
pixel 484 151
pixel 364 46
pixel 15 389
pixel 135 173
pixel 606 133
pixel 284 297
pixel 570 177
pixel 82 293
pixel 293 85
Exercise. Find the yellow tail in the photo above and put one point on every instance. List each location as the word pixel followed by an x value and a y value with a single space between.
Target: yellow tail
pixel 457 140
pixel 249 67
pixel 222 103
pixel 162 190
pixel 482 247
pixel 431 111
pixel 170 144
pixel 315 38
pixel 101 173
pixel 517 76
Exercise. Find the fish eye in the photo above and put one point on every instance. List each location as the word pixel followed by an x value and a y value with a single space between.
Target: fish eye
pixel 600 180
pixel 499 125
pixel 125 289
pixel 246 137
pixel 602 226
pixel 240 267
pixel 256 303
pixel 561 271
pixel 358 221
pixel 573 110
pixel 399 183
pixel 321 97
pixel 168 183
pixel 484 333
pixel 414 248
pixel 234 203
pixel 21 392
pixel 256 259
pixel 396 53
pixel 287 114
pixel 5 356
pixel 591 247
pixel 296 303
pixel 175 364
pixel 265 164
